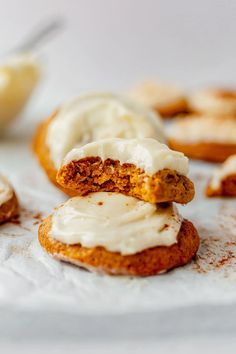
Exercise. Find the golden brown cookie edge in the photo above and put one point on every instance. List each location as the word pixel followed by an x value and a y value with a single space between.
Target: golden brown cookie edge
pixel 9 209
pixel 227 188
pixel 212 152
pixel 148 262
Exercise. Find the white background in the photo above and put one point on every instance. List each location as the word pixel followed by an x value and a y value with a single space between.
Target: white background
pixel 111 44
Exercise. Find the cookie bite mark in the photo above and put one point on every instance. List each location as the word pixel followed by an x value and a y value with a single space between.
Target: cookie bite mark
pixel 93 175
pixel 162 177
pixel 223 182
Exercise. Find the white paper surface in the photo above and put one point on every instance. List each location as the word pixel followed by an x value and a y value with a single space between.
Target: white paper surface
pixel 31 279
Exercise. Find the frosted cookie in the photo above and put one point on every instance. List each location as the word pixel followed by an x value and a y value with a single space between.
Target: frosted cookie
pixel 90 118
pixel 18 77
pixel 166 99
pixel 204 137
pixel 8 201
pixel 223 182
pixel 142 168
pixel 116 234
pixel 217 102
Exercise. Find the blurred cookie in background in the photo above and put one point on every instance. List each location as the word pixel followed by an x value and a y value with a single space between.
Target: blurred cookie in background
pixel 167 99
pixel 217 102
pixel 223 181
pixel 9 206
pixel 142 168
pixel 204 137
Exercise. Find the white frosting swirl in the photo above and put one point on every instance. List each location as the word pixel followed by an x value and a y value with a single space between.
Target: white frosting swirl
pixel 116 222
pixel 147 154
pixel 227 168
pixel 197 129
pixel 6 191
pixel 99 116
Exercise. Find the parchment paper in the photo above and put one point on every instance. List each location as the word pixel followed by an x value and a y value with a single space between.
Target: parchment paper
pixel 30 279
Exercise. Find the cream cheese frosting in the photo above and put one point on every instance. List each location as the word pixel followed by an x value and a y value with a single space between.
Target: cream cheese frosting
pixel 156 95
pixel 99 116
pixel 147 154
pixel 197 129
pixel 213 101
pixel 116 222
pixel 6 191
pixel 228 168
pixel 18 77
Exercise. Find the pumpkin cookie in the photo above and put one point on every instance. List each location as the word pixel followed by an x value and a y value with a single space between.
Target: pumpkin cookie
pixel 216 102
pixel 90 118
pixel 8 201
pixel 142 168
pixel 116 234
pixel 166 99
pixel 204 137
pixel 223 182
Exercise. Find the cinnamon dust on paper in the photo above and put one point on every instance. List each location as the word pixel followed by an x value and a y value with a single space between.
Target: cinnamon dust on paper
pixel 217 253
pixel 26 213
pixel 38 217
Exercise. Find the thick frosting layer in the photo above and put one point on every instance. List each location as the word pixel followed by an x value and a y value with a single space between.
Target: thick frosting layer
pixel 156 95
pixel 197 129
pixel 147 154
pixel 217 102
pixel 228 168
pixel 116 222
pixel 6 191
pixel 18 77
pixel 99 116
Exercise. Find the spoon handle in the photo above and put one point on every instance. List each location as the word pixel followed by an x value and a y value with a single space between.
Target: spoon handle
pixel 36 38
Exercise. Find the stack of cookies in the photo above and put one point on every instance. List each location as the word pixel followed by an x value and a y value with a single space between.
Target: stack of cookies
pixel 122 218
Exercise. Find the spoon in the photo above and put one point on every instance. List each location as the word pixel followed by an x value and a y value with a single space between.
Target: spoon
pixel 39 35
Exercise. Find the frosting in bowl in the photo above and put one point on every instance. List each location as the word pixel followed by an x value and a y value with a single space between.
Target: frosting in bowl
pixel 18 77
